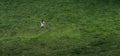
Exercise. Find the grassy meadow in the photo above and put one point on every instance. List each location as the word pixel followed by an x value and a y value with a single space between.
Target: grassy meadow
pixel 73 28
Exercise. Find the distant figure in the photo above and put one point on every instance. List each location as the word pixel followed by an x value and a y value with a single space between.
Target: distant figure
pixel 42 23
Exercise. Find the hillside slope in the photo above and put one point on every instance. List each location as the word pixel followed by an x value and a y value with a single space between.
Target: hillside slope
pixel 73 28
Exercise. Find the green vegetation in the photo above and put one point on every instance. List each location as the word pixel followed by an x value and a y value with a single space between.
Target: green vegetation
pixel 73 28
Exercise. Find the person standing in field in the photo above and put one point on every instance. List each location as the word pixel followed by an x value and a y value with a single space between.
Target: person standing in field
pixel 42 24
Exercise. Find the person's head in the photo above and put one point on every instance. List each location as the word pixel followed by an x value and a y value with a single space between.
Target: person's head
pixel 42 20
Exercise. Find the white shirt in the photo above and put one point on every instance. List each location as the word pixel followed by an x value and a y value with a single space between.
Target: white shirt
pixel 42 23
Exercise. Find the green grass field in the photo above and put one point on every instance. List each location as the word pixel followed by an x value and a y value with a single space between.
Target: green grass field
pixel 73 28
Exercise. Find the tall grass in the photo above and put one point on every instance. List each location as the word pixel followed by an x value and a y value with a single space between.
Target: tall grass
pixel 73 28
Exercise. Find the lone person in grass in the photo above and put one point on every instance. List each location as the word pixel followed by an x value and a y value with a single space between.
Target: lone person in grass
pixel 42 23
